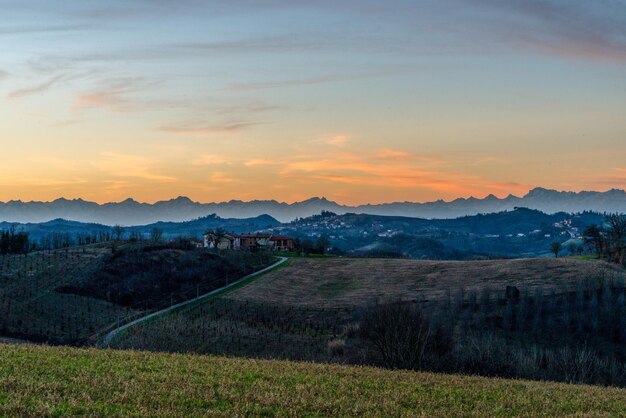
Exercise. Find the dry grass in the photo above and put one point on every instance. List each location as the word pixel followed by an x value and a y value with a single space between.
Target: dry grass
pixel 343 282
pixel 296 311
pixel 44 381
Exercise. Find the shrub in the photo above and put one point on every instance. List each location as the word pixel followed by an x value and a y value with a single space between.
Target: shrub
pixel 403 337
pixel 336 347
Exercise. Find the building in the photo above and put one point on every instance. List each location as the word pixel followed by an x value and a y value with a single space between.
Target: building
pixel 253 242
pixel 221 241
pixel 282 243
pixel 248 242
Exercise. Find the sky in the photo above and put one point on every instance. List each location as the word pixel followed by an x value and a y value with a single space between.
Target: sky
pixel 360 101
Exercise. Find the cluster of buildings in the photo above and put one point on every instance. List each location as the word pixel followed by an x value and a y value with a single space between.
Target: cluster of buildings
pixel 247 242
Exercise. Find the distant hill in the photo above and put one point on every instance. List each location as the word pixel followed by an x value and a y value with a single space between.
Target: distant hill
pixel 193 228
pixel 521 232
pixel 131 212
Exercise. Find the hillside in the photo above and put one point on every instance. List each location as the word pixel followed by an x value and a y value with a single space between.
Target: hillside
pixel 67 296
pixel 507 318
pixel 513 234
pixel 193 228
pixel 46 381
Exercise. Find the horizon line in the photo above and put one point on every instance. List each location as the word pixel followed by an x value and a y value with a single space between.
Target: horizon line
pixel 130 199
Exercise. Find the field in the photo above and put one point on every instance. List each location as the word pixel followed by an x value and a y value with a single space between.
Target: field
pixel 310 308
pixel 69 296
pixel 345 282
pixel 54 381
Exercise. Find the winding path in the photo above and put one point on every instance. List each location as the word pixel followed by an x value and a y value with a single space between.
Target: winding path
pixel 106 341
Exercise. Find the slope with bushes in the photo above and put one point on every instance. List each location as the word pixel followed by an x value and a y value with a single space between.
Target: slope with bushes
pixel 557 319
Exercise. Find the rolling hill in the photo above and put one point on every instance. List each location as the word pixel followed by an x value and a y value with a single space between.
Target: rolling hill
pixel 68 296
pixel 52 381
pixel 493 316
pixel 193 228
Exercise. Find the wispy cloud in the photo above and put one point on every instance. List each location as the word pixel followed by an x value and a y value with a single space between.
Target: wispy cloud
pixel 222 177
pixel 19 30
pixel 202 130
pixel 321 79
pixel 130 166
pixel 283 83
pixel 594 30
pixel 39 88
pixel 256 162
pixel 110 94
pixel 408 171
pixel 211 159
pixel 337 140
pixel 616 177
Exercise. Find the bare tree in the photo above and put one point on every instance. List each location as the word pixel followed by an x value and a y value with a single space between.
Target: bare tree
pixel 118 231
pixel 156 235
pixel 398 332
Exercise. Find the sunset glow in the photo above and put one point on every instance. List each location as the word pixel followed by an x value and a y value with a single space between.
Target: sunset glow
pixel 356 101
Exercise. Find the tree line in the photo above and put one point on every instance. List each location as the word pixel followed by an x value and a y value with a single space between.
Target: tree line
pixel 14 242
pixel 608 241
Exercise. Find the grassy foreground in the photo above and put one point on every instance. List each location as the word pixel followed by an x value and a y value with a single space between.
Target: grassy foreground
pixel 47 381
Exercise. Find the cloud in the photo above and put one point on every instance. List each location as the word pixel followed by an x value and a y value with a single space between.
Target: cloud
pixel 408 171
pixel 39 88
pixel 41 29
pixel 594 30
pixel 62 77
pixel 222 177
pixel 284 83
pixel 99 99
pixel 200 130
pixel 615 178
pixel 338 140
pixel 211 159
pixel 110 94
pixel 322 79
pixel 131 166
pixel 255 162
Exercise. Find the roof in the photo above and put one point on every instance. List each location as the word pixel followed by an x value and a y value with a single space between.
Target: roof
pixel 266 236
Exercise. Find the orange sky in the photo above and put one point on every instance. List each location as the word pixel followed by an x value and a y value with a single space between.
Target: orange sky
pixel 292 100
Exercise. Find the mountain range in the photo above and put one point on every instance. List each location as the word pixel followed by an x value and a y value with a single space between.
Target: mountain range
pixel 131 212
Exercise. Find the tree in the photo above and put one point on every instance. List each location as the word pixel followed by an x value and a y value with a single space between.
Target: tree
pixel 156 235
pixel 118 231
pixel 617 238
pixel 398 332
pixel 571 248
pixel 322 245
pixel 556 248
pixel 594 239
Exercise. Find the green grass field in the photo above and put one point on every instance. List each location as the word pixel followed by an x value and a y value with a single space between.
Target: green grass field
pixel 63 296
pixel 52 381
pixel 30 306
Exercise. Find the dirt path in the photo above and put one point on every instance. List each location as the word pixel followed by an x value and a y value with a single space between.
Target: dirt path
pixel 106 341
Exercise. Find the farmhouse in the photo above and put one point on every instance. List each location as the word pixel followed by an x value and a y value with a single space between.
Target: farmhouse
pixel 248 242
pixel 221 241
